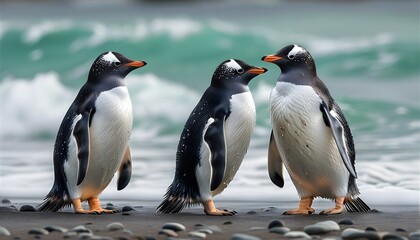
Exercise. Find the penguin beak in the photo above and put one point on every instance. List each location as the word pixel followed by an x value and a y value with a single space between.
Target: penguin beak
pixel 271 58
pixel 257 70
pixel 136 64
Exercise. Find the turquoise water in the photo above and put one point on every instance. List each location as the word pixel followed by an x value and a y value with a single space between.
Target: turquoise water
pixel 366 52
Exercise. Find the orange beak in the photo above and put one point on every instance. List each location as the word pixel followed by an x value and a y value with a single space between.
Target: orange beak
pixel 257 70
pixel 136 64
pixel 271 58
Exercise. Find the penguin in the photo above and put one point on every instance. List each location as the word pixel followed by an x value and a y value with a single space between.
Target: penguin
pixel 310 137
pixel 214 140
pixel 92 142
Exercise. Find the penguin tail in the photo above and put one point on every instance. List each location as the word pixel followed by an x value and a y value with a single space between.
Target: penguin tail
pixel 356 205
pixel 55 200
pixel 177 199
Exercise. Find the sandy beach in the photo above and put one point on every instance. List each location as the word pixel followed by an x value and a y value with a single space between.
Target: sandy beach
pixel 252 219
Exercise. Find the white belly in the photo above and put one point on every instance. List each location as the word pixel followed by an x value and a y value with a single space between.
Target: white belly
pixel 109 135
pixel 238 130
pixel 307 146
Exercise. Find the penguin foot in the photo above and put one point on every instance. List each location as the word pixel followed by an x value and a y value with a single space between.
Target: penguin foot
pixel 339 207
pixel 211 210
pixel 304 207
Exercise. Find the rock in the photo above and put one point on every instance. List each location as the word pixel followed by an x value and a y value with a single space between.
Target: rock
pixel 297 234
pixel 81 229
pixel 321 227
pixel 27 208
pixel 212 228
pixel 205 230
pixel 353 233
pixel 69 234
pixel 227 223
pixel 168 232
pixel 279 230
pixel 401 230
pixel 115 226
pixel 8 209
pixel 241 236
pixel 128 209
pixel 4 231
pixel 197 234
pixel 371 229
pixel 6 201
pixel 38 231
pixel 390 236
pixel 56 229
pixel 414 235
pixel 346 221
pixel 177 227
pixel 275 223
pixel 85 235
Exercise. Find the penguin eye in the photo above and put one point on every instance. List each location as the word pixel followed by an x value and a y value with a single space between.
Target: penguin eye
pixel 240 71
pixel 117 64
pixel 291 57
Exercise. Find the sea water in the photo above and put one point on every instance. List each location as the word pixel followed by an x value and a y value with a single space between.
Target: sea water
pixel 367 53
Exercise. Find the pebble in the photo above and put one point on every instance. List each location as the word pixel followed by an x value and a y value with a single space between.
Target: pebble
pixel 401 230
pixel 168 232
pixel 414 235
pixel 128 209
pixel 275 223
pixel 321 227
pixel 27 208
pixel 197 234
pixel 177 227
pixel 390 236
pixel 115 226
pixel 85 235
pixel 81 229
pixel 297 234
pixel 241 236
pixel 56 229
pixel 38 231
pixel 371 229
pixel 69 234
pixel 4 231
pixel 252 212
pixel 279 230
pixel 227 223
pixel 6 201
pixel 205 230
pixel 212 228
pixel 346 221
pixel 8 209
pixel 353 233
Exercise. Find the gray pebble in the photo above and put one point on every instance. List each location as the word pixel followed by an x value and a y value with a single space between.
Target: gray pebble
pixel 8 209
pixel 27 208
pixel 212 228
pixel 115 226
pixel 128 209
pixel 353 233
pixel 252 212
pixel 81 229
pixel 85 235
pixel 4 231
pixel 227 223
pixel 177 227
pixel 371 229
pixel 297 234
pixel 414 235
pixel 168 232
pixel 197 234
pixel 38 231
pixel 401 230
pixel 275 223
pixel 6 201
pixel 69 234
pixel 321 227
pixel 205 230
pixel 241 236
pixel 279 230
pixel 56 229
pixel 390 236
pixel 346 221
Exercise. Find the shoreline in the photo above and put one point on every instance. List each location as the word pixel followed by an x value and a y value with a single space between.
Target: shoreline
pixel 253 218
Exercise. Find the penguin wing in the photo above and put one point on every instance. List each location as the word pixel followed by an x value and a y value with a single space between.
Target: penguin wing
pixel 215 139
pixel 332 120
pixel 275 163
pixel 124 173
pixel 81 134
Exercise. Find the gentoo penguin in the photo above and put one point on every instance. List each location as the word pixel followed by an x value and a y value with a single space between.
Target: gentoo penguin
pixel 310 136
pixel 92 141
pixel 214 141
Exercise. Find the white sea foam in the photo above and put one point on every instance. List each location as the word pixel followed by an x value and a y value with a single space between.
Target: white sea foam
pixel 37 31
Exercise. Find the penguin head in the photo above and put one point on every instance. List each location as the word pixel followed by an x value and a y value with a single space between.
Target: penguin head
pixel 292 57
pixel 112 64
pixel 234 71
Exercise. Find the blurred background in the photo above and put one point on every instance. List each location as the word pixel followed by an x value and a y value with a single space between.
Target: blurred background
pixel 367 53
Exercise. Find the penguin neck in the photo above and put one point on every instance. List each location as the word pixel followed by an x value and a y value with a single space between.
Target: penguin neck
pixel 234 87
pixel 103 83
pixel 297 75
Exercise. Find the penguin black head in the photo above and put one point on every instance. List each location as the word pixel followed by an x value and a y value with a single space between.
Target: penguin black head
pixel 235 71
pixel 112 64
pixel 292 57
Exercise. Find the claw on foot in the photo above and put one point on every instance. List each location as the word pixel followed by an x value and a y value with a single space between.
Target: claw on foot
pixel 94 205
pixel 304 208
pixel 211 210
pixel 339 207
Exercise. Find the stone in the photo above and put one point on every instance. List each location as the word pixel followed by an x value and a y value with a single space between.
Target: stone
pixel 279 230
pixel 38 231
pixel 115 226
pixel 414 235
pixel 297 234
pixel 128 209
pixel 27 208
pixel 241 236
pixel 321 227
pixel 227 223
pixel 81 229
pixel 371 229
pixel 4 231
pixel 6 201
pixel 197 234
pixel 212 228
pixel 177 227
pixel 8 209
pixel 56 229
pixel 391 236
pixel 275 223
pixel 346 221
pixel 168 232
pixel 353 233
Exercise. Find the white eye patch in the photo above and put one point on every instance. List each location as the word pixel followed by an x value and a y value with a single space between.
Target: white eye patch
pixel 233 64
pixel 295 50
pixel 110 57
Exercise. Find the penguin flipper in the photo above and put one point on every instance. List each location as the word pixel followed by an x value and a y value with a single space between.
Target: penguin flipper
pixel 215 139
pixel 275 163
pixel 337 128
pixel 124 173
pixel 81 134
